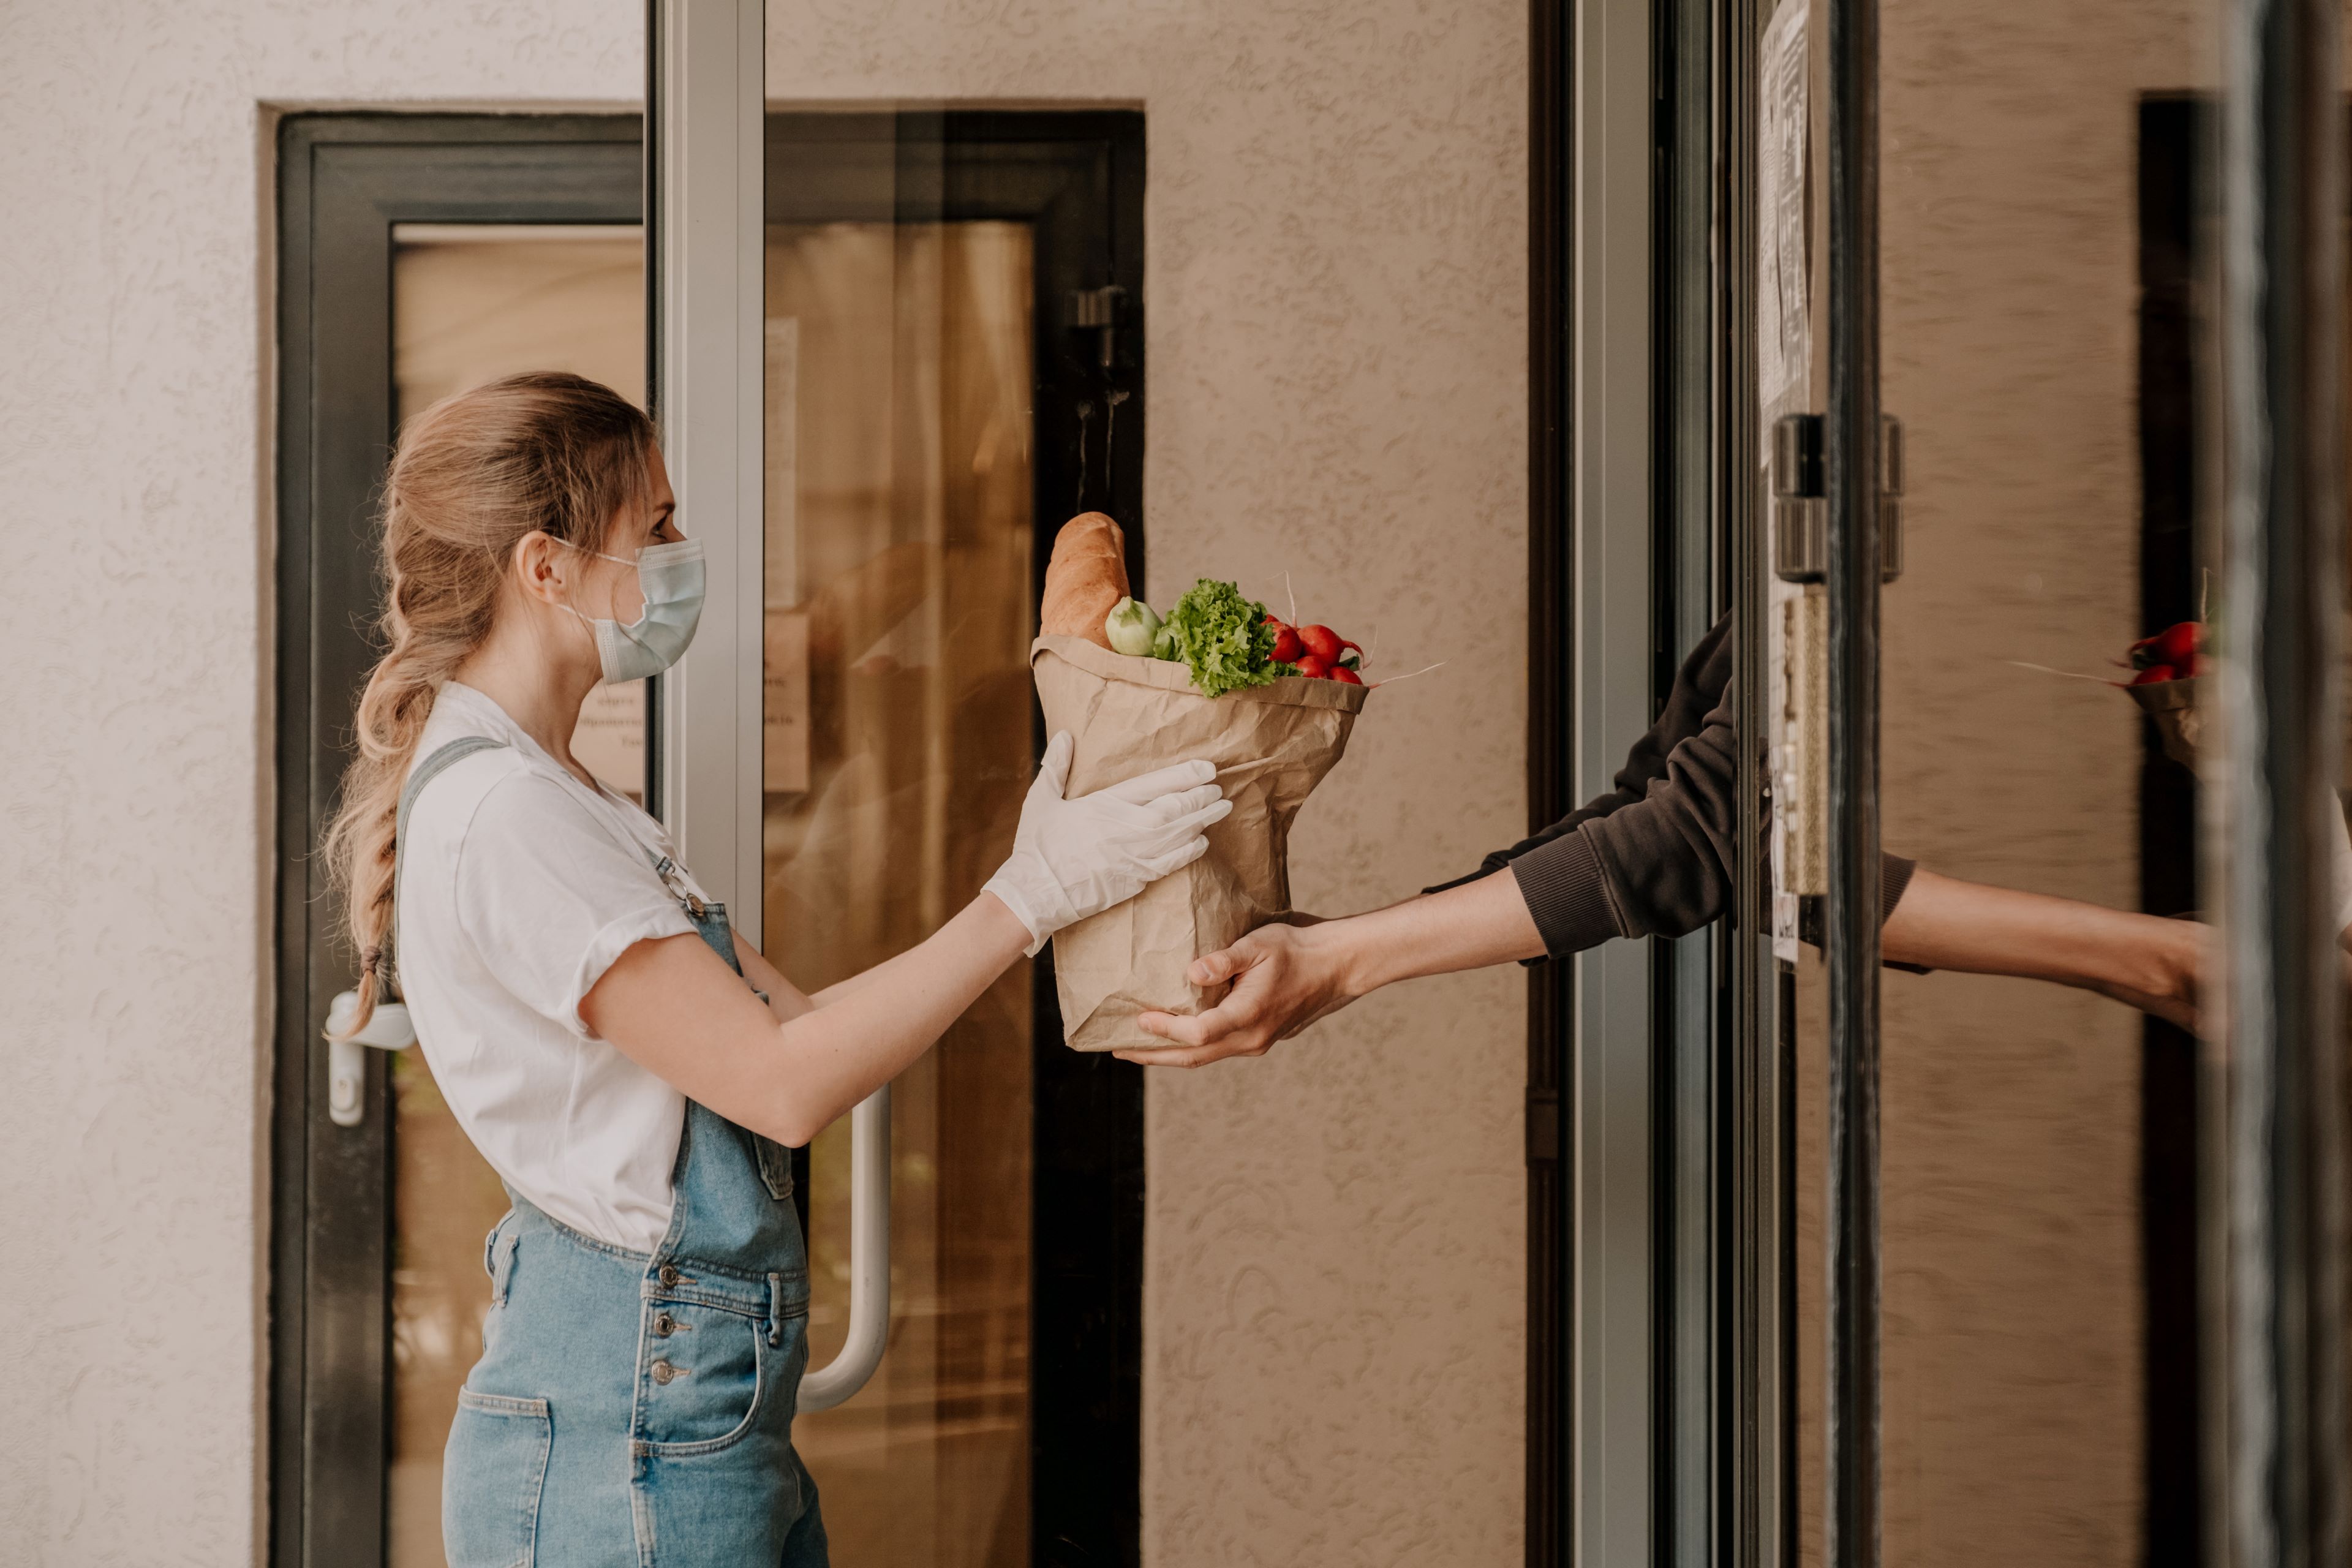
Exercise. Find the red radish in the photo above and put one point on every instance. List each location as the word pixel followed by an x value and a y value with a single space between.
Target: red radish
pixel 2177 644
pixel 1322 642
pixel 1286 642
pixel 1346 677
pixel 1311 666
pixel 2154 675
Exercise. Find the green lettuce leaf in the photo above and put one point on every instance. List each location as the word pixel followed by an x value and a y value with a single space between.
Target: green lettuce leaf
pixel 1223 638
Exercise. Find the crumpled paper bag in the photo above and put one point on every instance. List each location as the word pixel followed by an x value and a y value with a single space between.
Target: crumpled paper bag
pixel 1270 745
pixel 2173 705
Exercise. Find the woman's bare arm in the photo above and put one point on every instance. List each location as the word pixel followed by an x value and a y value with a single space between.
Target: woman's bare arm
pixel 674 1008
pixel 785 1000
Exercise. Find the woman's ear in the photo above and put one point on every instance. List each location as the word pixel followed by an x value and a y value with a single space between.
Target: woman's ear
pixel 538 568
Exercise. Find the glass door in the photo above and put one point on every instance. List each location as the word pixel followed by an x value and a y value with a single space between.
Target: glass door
pixel 897 752
pixel 930 407
pixel 2049 354
pixel 922 377
pixel 472 302
pixel 418 254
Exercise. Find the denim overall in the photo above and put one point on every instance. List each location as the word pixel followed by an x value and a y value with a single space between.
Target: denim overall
pixel 636 1409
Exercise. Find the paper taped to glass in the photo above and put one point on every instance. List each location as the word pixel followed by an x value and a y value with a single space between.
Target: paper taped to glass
pixel 1271 746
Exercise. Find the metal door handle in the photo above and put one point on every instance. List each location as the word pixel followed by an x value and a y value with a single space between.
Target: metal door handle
pixel 869 1259
pixel 388 1029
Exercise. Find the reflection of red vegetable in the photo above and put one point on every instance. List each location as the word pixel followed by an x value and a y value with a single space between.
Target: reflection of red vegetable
pixel 1322 642
pixel 2176 646
pixel 1286 642
pixel 2154 675
pixel 1341 673
pixel 1312 666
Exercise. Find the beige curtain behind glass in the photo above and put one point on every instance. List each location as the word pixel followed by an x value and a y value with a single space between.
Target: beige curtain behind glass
pixel 898 744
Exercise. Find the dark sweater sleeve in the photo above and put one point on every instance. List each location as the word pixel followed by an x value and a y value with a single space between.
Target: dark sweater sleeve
pixel 1654 855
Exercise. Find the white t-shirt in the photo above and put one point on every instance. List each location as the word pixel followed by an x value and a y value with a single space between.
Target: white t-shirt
pixel 518 887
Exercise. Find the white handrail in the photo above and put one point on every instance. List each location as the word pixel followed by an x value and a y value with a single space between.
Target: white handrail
pixel 869 1259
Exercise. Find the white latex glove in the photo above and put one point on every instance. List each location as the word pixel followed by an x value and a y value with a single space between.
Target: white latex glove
pixel 1072 858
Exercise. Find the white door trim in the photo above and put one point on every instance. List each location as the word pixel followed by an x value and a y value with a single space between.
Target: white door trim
pixel 705 109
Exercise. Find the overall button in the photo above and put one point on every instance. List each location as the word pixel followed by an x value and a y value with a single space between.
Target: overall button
pixel 664 1324
pixel 668 1275
pixel 663 1371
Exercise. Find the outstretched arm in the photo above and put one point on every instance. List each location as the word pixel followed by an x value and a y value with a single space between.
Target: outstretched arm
pixel 2151 963
pixel 1285 977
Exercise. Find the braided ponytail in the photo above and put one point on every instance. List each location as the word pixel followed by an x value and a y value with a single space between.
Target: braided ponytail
pixel 471 477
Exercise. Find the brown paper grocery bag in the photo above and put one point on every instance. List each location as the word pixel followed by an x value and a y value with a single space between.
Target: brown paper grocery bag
pixel 1271 744
pixel 2173 705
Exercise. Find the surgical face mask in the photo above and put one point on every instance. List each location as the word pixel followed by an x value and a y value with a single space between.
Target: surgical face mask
pixel 670 576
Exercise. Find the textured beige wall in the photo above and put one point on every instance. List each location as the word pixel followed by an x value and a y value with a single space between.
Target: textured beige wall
pixel 134 891
pixel 1334 314
pixel 2011 1123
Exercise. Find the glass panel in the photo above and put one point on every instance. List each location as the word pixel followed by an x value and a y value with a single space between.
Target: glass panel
pixel 475 301
pixel 471 303
pixel 2041 305
pixel 898 750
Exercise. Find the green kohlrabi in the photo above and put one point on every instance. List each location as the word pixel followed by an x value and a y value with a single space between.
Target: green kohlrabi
pixel 1223 638
pixel 1131 626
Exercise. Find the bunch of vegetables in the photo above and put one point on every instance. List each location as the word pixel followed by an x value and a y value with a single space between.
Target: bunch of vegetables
pixel 2176 653
pixel 1229 642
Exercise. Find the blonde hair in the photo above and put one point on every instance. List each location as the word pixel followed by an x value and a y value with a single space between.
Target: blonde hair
pixel 471 477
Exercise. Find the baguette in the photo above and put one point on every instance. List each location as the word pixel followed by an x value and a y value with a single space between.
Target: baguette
pixel 1087 576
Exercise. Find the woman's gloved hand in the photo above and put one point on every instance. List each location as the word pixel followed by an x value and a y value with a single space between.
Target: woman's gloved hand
pixel 1072 858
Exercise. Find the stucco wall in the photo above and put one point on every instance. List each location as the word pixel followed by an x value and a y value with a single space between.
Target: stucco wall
pixel 1334 317
pixel 135 901
pixel 1335 321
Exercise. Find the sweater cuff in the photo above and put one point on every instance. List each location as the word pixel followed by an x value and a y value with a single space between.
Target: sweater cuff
pixel 1565 892
pixel 1894 877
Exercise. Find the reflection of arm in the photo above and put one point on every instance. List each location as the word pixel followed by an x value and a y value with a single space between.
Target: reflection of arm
pixel 2150 963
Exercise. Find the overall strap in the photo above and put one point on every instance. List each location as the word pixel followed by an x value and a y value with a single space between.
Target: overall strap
pixel 423 773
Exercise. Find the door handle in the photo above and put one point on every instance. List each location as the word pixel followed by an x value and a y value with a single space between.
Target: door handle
pixel 387 1030
pixel 869 1259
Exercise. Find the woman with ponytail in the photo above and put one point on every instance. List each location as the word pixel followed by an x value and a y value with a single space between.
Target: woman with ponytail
pixel 632 1072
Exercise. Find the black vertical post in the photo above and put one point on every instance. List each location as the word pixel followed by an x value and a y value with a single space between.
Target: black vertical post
pixel 1551 771
pixel 2277 1469
pixel 1850 452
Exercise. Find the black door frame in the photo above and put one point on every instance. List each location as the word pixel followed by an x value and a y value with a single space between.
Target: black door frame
pixel 1722 1342
pixel 343 181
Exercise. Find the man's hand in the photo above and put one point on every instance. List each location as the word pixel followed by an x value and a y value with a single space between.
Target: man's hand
pixel 1284 978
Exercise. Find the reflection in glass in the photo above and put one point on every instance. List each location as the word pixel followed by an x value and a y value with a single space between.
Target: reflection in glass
pixel 898 748
pixel 2036 1209
pixel 470 304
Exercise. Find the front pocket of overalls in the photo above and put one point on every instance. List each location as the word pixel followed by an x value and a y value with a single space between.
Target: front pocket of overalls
pixel 491 1477
pixel 775 1166
pixel 700 1381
